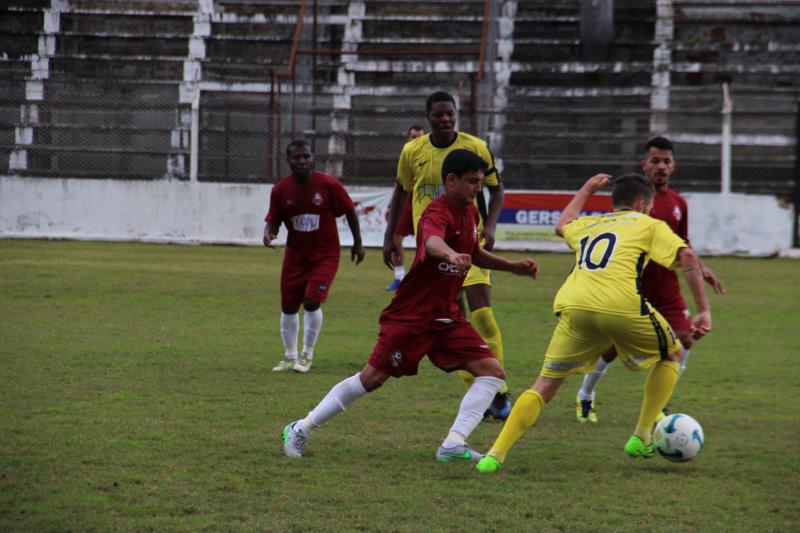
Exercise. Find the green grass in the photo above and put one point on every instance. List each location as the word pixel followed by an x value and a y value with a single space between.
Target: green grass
pixel 136 394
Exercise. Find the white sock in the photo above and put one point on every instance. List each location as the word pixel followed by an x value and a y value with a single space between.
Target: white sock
pixel 399 272
pixel 683 362
pixel 591 380
pixel 290 325
pixel 338 398
pixel 312 324
pixel 470 413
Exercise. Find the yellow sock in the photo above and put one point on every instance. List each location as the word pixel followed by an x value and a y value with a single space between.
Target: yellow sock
pixel 525 412
pixel 483 320
pixel 657 391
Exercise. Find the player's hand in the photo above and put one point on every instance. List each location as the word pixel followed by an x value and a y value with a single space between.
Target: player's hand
pixel 712 280
pixel 462 261
pixel 268 238
pixel 391 255
pixel 701 324
pixel 596 182
pixel 357 253
pixel 488 239
pixel 526 267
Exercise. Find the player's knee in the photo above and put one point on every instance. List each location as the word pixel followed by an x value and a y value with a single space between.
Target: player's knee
pixel 686 339
pixel 310 305
pixel 290 310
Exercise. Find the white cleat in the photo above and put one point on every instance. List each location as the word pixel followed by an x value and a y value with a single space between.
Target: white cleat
pixel 303 364
pixel 285 364
pixel 294 440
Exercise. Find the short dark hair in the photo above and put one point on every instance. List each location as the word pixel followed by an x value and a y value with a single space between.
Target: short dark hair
pixel 298 143
pixel 438 96
pixel 661 143
pixel 459 162
pixel 629 188
pixel 415 127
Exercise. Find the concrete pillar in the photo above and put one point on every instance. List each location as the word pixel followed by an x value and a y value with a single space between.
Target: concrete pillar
pixel 662 66
pixel 597 29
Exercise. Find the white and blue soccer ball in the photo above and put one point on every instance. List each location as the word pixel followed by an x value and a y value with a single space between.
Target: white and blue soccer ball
pixel 678 438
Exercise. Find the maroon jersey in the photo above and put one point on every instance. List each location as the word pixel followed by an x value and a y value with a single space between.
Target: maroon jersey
pixel 309 210
pixel 428 292
pixel 660 285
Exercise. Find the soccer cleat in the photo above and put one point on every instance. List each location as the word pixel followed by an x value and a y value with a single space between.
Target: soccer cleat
pixel 294 440
pixel 303 364
pixel 584 410
pixel 636 448
pixel 460 452
pixel 500 407
pixel 488 464
pixel 285 364
pixel 393 285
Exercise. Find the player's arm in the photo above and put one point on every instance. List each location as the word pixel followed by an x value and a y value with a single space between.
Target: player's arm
pixel 575 206
pixel 273 219
pixel 496 195
pixel 711 279
pixel 270 233
pixel 437 248
pixel 683 232
pixel 520 267
pixel 690 266
pixel 357 251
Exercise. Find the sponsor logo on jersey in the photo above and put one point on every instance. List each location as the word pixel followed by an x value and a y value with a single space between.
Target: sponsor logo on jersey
pixel 317 199
pixel 306 222
pixel 450 268
pixel 677 213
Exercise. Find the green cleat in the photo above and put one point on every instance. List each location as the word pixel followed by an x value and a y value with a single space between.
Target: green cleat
pixel 488 464
pixel 636 448
pixel 584 410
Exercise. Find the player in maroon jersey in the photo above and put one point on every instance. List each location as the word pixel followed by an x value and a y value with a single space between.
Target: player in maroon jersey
pixel 307 202
pixel 423 317
pixel 660 285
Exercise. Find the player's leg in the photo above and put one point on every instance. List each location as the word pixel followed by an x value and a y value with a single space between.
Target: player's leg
pixel 575 346
pixel 292 289
pixel 399 269
pixel 317 287
pixel 478 291
pixel 584 402
pixel 338 398
pixel 687 340
pixel 644 342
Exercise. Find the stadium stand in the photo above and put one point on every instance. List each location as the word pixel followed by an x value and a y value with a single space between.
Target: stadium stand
pixel 102 88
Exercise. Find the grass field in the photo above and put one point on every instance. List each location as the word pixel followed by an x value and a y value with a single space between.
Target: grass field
pixel 136 394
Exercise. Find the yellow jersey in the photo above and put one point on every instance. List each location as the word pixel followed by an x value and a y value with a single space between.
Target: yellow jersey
pixel 611 251
pixel 419 170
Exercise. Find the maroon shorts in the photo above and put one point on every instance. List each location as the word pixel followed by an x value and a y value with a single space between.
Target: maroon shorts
pixel 402 345
pixel 674 310
pixel 405 224
pixel 300 280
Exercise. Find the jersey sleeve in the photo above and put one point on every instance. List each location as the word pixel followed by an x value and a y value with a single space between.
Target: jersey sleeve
pixel 341 202
pixel 405 175
pixel 683 224
pixel 571 231
pixel 274 215
pixel 491 179
pixel 664 245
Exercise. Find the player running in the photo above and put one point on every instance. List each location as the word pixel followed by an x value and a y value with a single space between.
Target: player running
pixel 423 317
pixel 599 306
pixel 419 172
pixel 308 202
pixel 405 224
pixel 660 286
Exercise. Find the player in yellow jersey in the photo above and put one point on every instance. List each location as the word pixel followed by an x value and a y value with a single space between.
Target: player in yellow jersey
pixel 419 173
pixel 600 305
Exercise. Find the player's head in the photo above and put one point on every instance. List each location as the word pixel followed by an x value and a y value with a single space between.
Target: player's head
pixel 440 109
pixel 658 161
pixel 632 192
pixel 414 131
pixel 462 175
pixel 301 159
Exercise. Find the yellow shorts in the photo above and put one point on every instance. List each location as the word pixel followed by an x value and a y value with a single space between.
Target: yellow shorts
pixel 478 276
pixel 581 337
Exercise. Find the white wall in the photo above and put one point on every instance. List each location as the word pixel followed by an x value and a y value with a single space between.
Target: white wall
pixel 164 211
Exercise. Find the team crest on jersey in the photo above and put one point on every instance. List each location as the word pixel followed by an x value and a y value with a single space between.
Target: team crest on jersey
pixel 677 213
pixel 317 199
pixel 396 358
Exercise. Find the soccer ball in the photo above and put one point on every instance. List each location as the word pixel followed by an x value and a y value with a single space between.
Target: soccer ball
pixel 678 438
